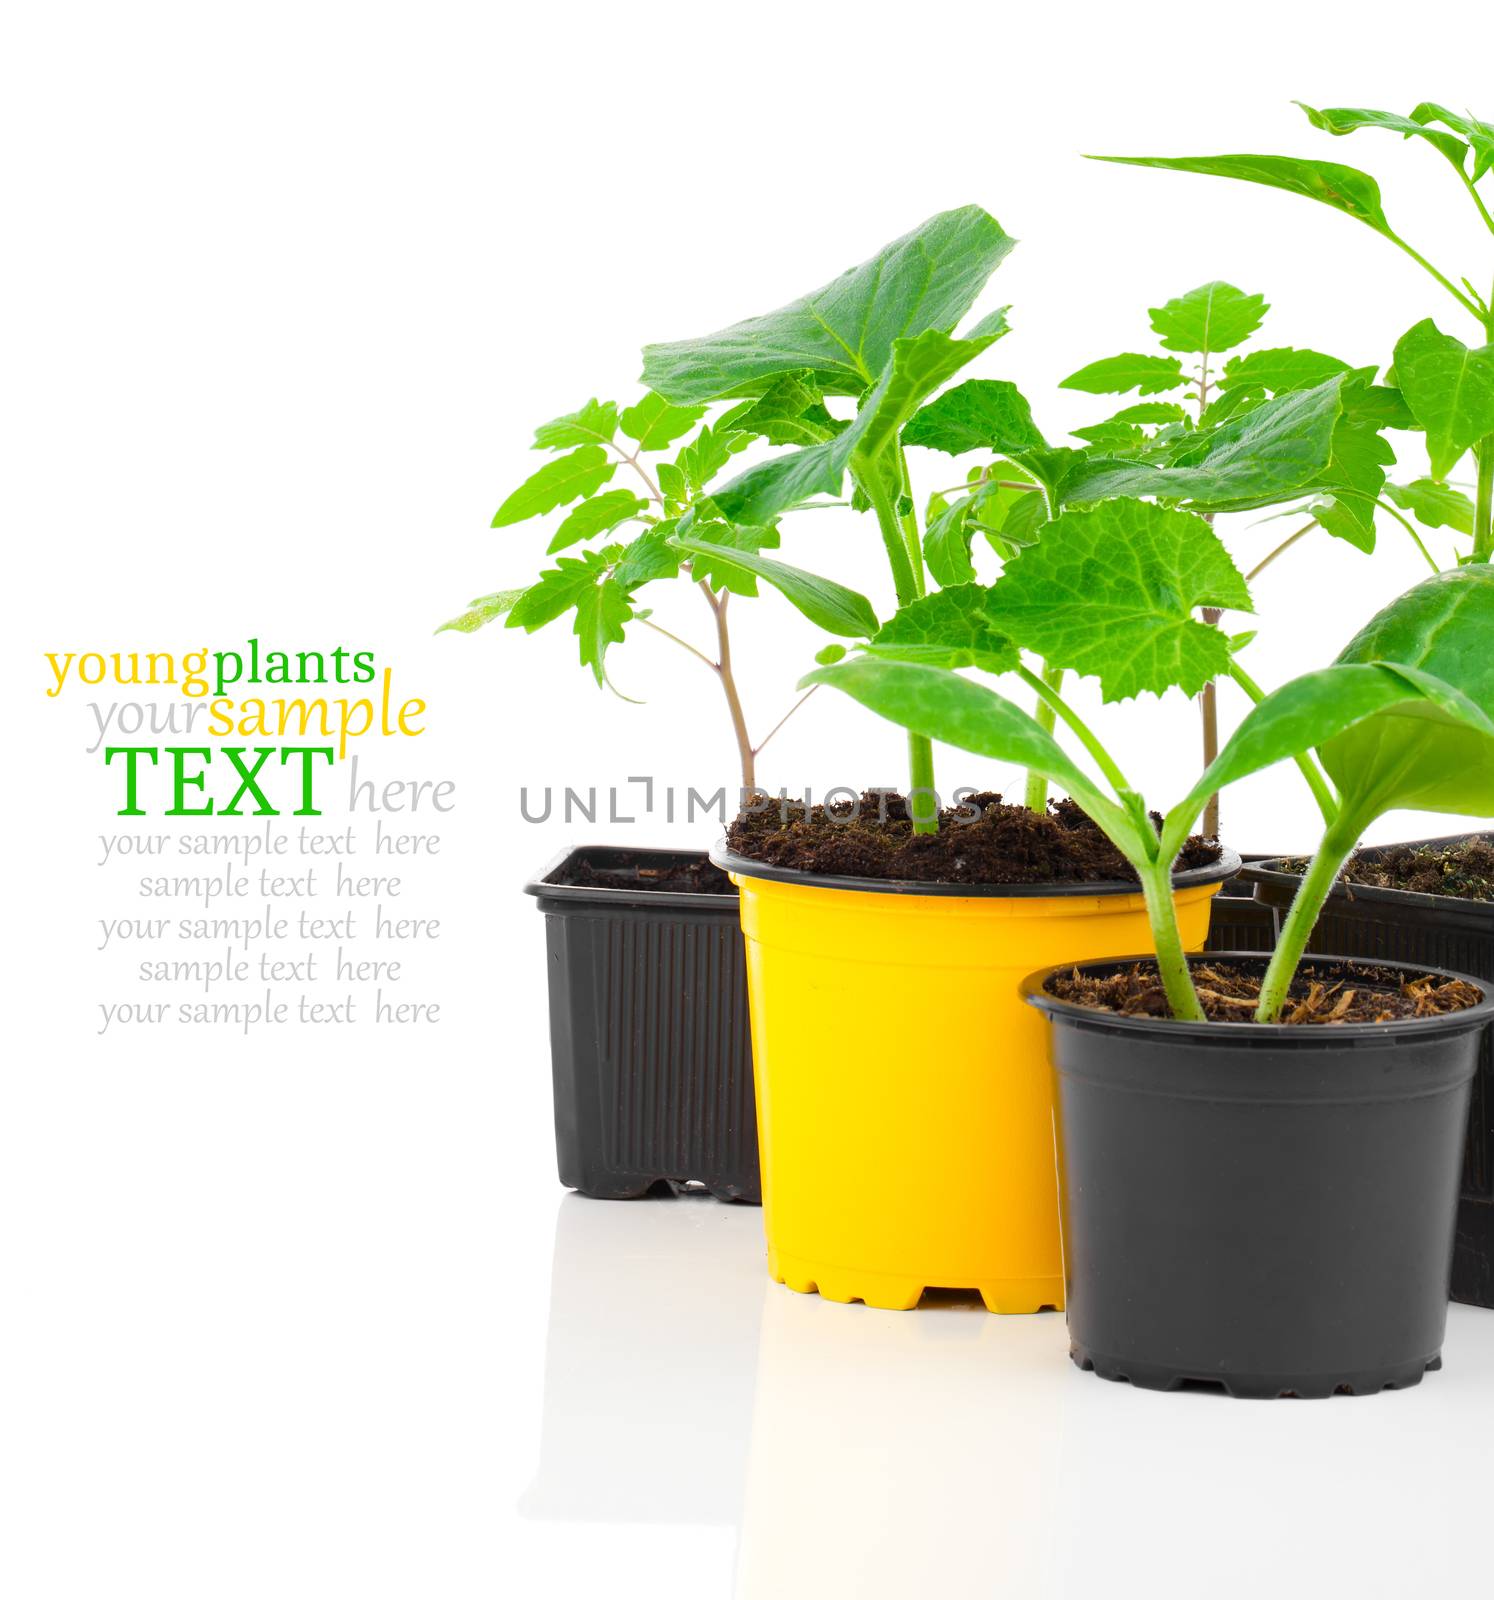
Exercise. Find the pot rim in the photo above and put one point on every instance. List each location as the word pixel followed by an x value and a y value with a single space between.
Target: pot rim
pixel 1261 1035
pixel 726 904
pixel 1269 870
pixel 1227 866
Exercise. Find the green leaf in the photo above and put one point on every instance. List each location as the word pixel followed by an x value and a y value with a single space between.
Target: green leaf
pixel 951 628
pixel 1120 374
pixel 1110 593
pixel 1023 524
pixel 979 414
pixel 1280 371
pixel 558 590
pixel 732 536
pixel 843 333
pixel 1346 189
pixel 707 453
pixel 1450 390
pixel 1257 458
pixel 571 477
pixel 482 611
pixel 942 705
pixel 1433 504
pixel 648 557
pixel 830 654
pixel 594 423
pixel 1480 135
pixel 827 604
pixel 655 424
pixel 1349 119
pixel 600 514
pixel 601 612
pixel 946 540
pixel 1437 752
pixel 1114 438
pixel 1296 718
pixel 1214 316
pixel 1151 411
pixel 790 411
pixel 672 484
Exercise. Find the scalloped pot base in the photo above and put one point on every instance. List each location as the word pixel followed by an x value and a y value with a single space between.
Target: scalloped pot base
pixel 1256 1386
pixel 885 1293
pixel 905 1105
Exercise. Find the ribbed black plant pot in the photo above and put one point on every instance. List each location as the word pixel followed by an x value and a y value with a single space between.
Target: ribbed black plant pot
pixel 1264 1209
pixel 1442 931
pixel 649 1040
pixel 1237 920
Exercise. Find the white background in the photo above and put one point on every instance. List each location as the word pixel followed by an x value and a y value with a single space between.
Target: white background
pixel 286 289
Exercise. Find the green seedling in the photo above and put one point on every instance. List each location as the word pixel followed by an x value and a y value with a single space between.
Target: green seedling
pixel 1402 717
pixel 1448 387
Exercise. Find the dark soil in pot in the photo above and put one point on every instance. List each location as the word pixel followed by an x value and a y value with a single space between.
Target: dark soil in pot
pixel 1422 901
pixel 650 1048
pixel 1263 1209
pixel 981 840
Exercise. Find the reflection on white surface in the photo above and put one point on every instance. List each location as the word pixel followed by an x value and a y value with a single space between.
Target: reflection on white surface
pixel 649 1361
pixel 875 1453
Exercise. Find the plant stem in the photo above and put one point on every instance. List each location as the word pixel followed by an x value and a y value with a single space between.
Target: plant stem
pixel 1478 200
pixel 1046 715
pixel 763 744
pixel 1286 544
pixel 1101 755
pixel 901 552
pixel 908 520
pixel 1209 709
pixel 1306 764
pixel 1426 554
pixel 1441 278
pixel 1167 940
pixel 1339 840
pixel 1483 511
pixel 729 685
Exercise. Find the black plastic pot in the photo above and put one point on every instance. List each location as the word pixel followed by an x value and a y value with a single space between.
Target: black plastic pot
pixel 649 1039
pixel 1264 1209
pixel 1440 930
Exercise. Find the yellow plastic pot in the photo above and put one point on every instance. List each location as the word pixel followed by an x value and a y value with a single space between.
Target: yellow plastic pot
pixel 904 1101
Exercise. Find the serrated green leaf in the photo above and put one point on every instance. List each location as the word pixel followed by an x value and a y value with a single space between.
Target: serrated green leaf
pixel 1148 411
pixel 650 556
pixel 601 612
pixel 1346 189
pixel 790 411
pixel 594 423
pixel 950 628
pixel 1349 119
pixel 731 536
pixel 1120 374
pixel 1433 504
pixel 654 423
pixel 1450 390
pixel 1435 754
pixel 570 477
pixel 482 611
pixel 1114 438
pixel 1110 593
pixel 1022 525
pixel 1231 403
pixel 707 453
pixel 1260 457
pixel 942 705
pixel 1215 316
pixel 601 514
pixel 843 333
pixel 1480 135
pixel 558 590
pixel 979 414
pixel 827 604
pixel 1280 371
pixel 672 483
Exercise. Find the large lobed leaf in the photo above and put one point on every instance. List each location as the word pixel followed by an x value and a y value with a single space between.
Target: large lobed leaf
pixel 843 333
pixel 1110 593
pixel 981 414
pixel 951 628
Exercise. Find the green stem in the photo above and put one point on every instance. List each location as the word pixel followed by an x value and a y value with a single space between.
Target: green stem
pixel 1046 715
pixel 908 521
pixel 1483 511
pixel 1339 840
pixel 1047 696
pixel 1441 278
pixel 922 806
pixel 1305 762
pixel 1478 200
pixel 1167 940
